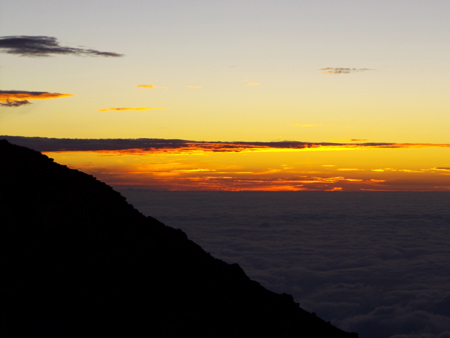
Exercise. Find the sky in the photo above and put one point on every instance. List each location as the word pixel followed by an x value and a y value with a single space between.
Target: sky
pixel 342 71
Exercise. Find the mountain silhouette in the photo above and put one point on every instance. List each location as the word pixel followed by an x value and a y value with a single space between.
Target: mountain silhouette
pixel 77 260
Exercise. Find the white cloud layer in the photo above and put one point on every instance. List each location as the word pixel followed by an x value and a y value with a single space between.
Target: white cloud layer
pixel 374 263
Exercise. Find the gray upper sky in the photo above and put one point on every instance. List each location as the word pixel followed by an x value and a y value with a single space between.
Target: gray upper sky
pixel 374 70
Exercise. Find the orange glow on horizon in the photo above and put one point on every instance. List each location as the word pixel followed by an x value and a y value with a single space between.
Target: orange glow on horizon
pixel 267 169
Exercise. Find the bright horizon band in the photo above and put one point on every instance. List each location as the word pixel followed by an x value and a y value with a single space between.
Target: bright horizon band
pixel 266 166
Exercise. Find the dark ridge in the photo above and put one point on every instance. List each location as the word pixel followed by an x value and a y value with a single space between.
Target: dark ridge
pixel 77 260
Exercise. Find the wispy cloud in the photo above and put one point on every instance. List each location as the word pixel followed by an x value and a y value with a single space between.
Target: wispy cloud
pixel 146 86
pixel 253 84
pixel 421 171
pixel 14 104
pixel 338 70
pixel 193 170
pixel 167 145
pixel 131 108
pixel 150 86
pixel 40 46
pixel 194 87
pixel 17 98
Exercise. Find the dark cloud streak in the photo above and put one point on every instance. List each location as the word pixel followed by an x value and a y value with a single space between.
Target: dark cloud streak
pixel 14 104
pixel 42 46
pixel 17 98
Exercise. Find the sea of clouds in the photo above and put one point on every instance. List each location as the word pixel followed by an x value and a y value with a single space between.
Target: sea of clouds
pixel 377 263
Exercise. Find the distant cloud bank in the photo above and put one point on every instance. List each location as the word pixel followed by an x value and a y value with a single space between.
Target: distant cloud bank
pixel 175 145
pixel 41 46
pixel 17 98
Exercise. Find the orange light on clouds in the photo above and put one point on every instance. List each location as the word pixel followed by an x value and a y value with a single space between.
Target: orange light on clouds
pixel 174 164
pixel 150 86
pixel 445 169
pixel 237 169
pixel 146 86
pixel 12 95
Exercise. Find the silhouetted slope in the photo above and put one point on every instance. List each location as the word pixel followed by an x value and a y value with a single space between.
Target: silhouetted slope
pixel 77 260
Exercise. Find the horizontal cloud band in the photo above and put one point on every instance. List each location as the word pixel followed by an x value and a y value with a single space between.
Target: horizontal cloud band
pixel 6 95
pixel 165 145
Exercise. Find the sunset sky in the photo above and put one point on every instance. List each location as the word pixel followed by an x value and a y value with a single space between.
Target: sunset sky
pixel 342 72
